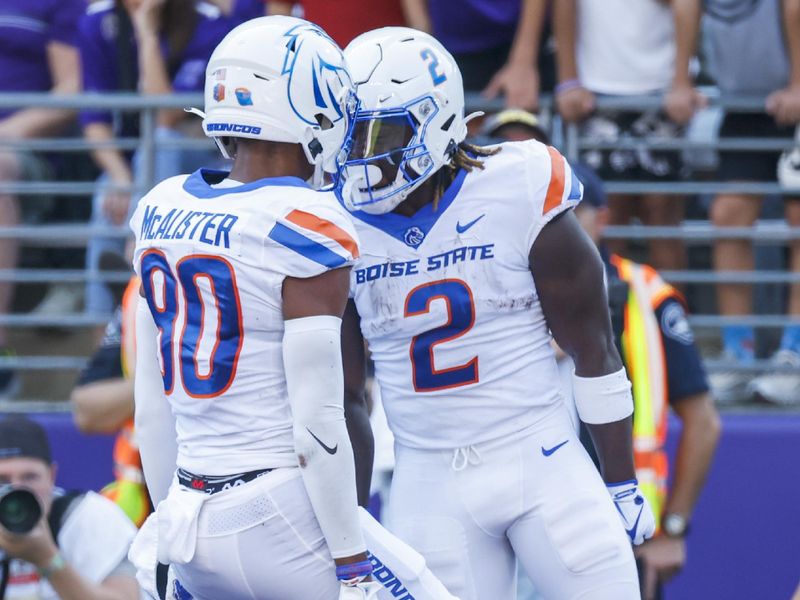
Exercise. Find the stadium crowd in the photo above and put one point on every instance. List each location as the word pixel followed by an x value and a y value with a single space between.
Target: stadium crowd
pixel 504 49
pixel 674 56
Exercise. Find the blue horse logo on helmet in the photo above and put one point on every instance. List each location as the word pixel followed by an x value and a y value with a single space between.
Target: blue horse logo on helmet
pixel 324 96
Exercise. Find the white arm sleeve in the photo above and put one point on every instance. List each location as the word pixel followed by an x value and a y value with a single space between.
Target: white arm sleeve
pixel 153 420
pixel 312 360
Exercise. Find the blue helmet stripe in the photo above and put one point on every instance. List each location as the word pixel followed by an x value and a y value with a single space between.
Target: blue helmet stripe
pixel 333 101
pixel 289 90
pixel 320 101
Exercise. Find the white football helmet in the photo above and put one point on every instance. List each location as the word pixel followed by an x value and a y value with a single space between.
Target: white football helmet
pixel 281 79
pixel 410 119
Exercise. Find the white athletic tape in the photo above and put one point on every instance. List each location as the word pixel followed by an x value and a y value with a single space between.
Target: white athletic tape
pixel 603 399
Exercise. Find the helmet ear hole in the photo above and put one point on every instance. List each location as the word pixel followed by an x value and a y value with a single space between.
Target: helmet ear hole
pixel 446 124
pixel 324 122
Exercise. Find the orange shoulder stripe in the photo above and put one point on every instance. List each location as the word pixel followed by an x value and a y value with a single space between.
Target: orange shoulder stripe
pixel 555 191
pixel 326 228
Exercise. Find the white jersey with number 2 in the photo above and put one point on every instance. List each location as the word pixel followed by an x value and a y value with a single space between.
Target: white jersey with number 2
pixel 449 307
pixel 489 472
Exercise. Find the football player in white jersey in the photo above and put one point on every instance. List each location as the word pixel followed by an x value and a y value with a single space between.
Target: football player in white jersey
pixel 470 258
pixel 244 281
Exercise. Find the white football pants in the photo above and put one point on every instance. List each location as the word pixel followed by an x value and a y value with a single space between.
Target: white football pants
pixel 540 499
pixel 261 541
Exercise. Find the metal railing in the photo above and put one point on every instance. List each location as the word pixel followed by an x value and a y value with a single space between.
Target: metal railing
pixel 77 234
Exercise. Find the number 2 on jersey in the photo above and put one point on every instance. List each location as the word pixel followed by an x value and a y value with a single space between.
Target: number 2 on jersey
pixel 460 319
pixel 211 310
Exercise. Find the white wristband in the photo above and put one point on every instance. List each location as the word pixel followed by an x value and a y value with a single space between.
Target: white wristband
pixel 603 399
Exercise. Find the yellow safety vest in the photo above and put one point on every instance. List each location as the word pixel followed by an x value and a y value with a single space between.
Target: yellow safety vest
pixel 128 489
pixel 643 353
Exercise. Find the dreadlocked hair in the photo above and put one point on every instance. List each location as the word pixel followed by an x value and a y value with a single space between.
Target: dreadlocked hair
pixel 464 156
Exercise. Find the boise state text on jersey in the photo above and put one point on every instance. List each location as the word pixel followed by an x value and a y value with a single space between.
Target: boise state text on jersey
pixel 452 317
pixel 431 263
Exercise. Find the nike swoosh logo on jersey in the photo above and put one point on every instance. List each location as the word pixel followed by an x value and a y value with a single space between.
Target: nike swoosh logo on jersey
pixel 462 228
pixel 548 452
pixel 632 531
pixel 327 449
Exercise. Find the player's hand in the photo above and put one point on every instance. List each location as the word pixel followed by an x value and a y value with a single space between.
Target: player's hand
pixel 662 557
pixel 634 510
pixel 575 104
pixel 784 105
pixel 682 101
pixel 366 590
pixel 519 83
pixel 36 547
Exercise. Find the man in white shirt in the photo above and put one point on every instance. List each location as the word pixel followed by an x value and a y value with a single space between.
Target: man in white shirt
pixel 619 48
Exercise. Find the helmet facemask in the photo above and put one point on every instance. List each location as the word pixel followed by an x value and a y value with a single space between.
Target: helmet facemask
pixel 387 157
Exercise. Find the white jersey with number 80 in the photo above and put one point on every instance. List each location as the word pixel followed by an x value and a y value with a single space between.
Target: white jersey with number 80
pixel 212 260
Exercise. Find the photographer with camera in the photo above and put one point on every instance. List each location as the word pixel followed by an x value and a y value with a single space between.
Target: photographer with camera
pixel 53 545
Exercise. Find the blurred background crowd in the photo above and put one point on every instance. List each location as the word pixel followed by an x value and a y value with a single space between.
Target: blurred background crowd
pixel 680 117
pixel 683 108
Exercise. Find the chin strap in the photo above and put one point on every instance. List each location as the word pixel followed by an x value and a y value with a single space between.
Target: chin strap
pixel 195 111
pixel 349 187
pixel 318 178
pixel 475 115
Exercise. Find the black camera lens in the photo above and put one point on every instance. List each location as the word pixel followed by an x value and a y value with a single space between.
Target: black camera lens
pixel 20 510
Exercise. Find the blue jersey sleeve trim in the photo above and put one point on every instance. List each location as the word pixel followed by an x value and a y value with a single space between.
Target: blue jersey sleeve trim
pixel 398 226
pixel 199 183
pixel 306 246
pixel 576 188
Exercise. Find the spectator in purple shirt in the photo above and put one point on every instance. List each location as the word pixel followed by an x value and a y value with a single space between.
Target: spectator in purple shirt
pixel 498 44
pixel 155 47
pixel 37 54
